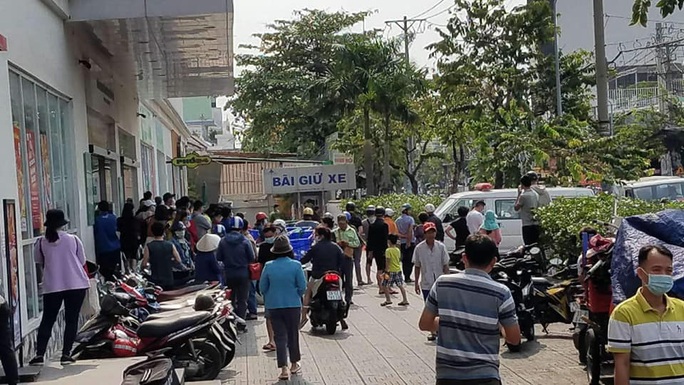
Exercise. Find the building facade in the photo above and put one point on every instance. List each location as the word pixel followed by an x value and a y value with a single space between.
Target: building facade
pixel 84 116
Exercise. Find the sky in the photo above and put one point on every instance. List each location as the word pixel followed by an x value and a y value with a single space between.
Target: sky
pixel 253 16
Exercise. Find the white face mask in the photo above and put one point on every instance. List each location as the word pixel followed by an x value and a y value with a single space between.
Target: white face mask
pixel 371 219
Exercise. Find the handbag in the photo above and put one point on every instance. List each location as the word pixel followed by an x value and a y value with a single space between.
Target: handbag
pixel 91 304
pixel 254 271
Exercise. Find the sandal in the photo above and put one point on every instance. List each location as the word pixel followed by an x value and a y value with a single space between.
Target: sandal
pixel 269 347
pixel 403 303
pixel 297 368
pixel 284 376
pixel 386 303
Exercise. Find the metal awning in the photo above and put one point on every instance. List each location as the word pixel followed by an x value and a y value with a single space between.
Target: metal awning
pixel 178 50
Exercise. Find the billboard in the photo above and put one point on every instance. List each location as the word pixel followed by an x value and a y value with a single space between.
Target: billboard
pixel 305 179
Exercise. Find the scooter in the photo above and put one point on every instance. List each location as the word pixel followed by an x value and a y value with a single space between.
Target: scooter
pixel 327 307
pixel 189 339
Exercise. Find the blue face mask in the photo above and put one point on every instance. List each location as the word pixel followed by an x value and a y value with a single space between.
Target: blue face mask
pixel 269 240
pixel 659 284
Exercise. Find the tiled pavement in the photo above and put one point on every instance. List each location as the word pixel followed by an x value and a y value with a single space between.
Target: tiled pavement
pixel 384 346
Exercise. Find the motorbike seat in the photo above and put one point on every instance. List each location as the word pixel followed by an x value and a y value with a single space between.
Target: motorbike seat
pixel 542 281
pixel 164 327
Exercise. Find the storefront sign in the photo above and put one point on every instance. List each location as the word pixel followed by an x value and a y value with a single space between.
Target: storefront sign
pixel 34 189
pixel 47 181
pixel 192 160
pixel 20 176
pixel 11 255
pixel 302 179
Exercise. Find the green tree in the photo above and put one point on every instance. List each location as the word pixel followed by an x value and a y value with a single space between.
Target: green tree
pixel 284 94
pixel 640 9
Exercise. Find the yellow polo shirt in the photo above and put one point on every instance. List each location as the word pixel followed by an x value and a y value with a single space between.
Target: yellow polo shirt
pixel 654 341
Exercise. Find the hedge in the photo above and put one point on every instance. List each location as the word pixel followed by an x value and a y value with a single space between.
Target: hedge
pixel 395 201
pixel 565 217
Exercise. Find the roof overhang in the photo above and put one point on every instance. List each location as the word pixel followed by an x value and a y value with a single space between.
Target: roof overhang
pixel 180 48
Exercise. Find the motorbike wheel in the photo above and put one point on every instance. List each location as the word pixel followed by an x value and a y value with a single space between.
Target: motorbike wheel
pixel 230 355
pixel 529 332
pixel 331 327
pixel 209 360
pixel 593 356
pixel 218 346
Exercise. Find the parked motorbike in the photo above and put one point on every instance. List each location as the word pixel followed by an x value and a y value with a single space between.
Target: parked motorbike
pixel 194 340
pixel 327 307
pixel 516 275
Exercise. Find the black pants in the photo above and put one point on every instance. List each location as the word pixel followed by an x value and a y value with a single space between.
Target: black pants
pixel 491 381
pixel 9 360
pixel 73 299
pixel 531 234
pixel 406 261
pixel 239 294
pixel 109 263
pixel 347 278
pixel 285 323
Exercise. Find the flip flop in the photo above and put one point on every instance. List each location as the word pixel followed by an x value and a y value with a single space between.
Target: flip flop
pixel 269 347
pixel 284 376
pixel 297 369
pixel 403 303
pixel 386 303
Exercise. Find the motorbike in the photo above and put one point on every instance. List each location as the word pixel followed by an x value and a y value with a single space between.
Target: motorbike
pixel 327 307
pixel 193 340
pixel 516 275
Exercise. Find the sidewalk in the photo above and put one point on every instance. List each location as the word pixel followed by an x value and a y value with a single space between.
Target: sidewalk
pixel 384 346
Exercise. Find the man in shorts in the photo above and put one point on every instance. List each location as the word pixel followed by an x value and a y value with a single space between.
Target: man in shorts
pixel 378 233
pixel 393 274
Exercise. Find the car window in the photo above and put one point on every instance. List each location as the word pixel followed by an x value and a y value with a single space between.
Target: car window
pixel 644 193
pixel 505 209
pixel 452 212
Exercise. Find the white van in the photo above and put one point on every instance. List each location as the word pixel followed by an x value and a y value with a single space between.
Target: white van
pixel 653 188
pixel 503 203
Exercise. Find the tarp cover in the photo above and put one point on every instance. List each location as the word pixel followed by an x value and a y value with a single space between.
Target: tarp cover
pixel 664 228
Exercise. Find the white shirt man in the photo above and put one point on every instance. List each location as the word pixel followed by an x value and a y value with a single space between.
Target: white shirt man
pixel 474 219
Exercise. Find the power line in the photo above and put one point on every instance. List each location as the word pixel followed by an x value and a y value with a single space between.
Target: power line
pixel 439 13
pixel 429 9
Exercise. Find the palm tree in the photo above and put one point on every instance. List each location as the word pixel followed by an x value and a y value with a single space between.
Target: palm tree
pixel 361 77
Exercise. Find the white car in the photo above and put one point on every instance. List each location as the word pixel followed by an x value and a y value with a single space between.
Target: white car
pixel 502 202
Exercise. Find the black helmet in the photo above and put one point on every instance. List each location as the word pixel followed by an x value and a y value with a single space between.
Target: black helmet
pixel 351 206
pixel 533 175
pixel 380 211
pixel 204 302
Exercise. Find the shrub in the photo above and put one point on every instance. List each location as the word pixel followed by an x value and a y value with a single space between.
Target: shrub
pixel 562 220
pixel 395 201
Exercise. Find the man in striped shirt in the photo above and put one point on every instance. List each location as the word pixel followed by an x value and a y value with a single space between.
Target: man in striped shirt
pixel 646 332
pixel 467 309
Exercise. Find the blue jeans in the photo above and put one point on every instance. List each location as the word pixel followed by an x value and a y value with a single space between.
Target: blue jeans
pixel 251 300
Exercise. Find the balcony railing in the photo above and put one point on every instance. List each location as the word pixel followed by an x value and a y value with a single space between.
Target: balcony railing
pixel 626 99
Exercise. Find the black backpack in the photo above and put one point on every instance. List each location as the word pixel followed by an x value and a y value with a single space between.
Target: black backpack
pixel 154 371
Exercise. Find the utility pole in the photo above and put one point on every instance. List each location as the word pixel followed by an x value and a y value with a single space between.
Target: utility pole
pixel 661 59
pixel 406 25
pixel 601 68
pixel 559 91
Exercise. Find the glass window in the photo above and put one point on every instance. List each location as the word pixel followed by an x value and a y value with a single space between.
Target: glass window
pixel 41 125
pixel 505 209
pixel 130 183
pixel 161 169
pixel 127 145
pixel 19 151
pixel 644 193
pixel 147 163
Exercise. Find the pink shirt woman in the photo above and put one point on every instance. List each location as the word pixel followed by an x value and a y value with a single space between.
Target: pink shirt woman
pixel 490 227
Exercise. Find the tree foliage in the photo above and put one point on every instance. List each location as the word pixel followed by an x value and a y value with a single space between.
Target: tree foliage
pixel 640 9
pixel 283 93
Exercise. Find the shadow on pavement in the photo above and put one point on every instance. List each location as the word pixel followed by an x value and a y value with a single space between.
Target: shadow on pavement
pixel 527 350
pixel 49 373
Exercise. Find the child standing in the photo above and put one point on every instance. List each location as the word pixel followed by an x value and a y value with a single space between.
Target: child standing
pixel 393 274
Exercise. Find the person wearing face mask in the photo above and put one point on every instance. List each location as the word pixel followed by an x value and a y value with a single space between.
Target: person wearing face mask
pixel 207 268
pixel 182 247
pixel 645 331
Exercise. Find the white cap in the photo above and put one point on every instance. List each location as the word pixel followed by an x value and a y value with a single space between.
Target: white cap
pixel 429 208
pixel 389 212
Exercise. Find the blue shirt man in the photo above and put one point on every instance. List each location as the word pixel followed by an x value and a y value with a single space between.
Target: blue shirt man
pixel 466 309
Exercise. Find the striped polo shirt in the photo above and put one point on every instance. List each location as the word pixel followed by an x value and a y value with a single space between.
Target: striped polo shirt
pixel 470 306
pixel 654 341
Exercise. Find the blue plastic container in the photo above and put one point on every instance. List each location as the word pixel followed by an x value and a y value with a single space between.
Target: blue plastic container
pixel 255 233
pixel 301 246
